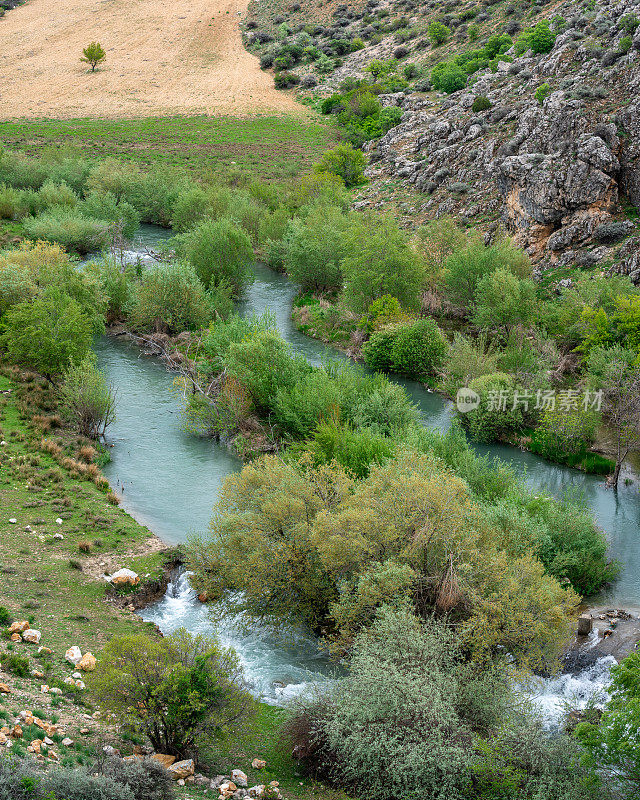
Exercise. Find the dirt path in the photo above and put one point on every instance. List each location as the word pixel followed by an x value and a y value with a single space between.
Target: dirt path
pixel 163 58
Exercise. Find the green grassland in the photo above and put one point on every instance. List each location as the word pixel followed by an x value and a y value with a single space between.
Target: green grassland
pixel 272 148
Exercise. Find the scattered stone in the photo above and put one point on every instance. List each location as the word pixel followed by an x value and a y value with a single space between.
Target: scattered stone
pixel 4 689
pixel 81 685
pixel 182 769
pixel 58 521
pixel 67 742
pixel 164 759
pixel 87 662
pixel 69 681
pixel 258 763
pixel 19 627
pixel 73 655
pixel 239 778
pixel 44 651
pixel 58 536
pixel 17 732
pixel 37 674
pixel 32 635
pixel 124 577
pixel 15 637
pixel 55 690
pixel 109 750
pixel 13 520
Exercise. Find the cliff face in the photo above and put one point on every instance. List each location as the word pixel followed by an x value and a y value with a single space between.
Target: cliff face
pixel 554 157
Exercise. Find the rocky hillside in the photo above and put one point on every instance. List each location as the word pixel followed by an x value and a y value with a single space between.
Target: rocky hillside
pixel 530 121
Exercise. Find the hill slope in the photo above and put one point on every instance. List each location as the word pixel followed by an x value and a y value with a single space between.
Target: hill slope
pixel 162 58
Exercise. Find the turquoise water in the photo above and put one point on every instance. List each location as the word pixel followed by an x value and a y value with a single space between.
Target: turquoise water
pixel 170 481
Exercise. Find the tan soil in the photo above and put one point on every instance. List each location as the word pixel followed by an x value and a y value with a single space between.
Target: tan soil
pixel 163 58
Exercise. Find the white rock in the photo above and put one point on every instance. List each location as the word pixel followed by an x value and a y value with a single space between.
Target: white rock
pixel 239 778
pixel 67 742
pixel 13 520
pixel 73 655
pixel 58 521
pixel 69 681
pixel 48 741
pixel 125 576
pixel 58 536
pixel 77 676
pixel 32 635
pixel 55 690
pixel 81 685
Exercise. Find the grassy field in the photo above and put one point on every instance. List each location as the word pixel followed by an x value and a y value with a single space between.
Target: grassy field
pixel 213 147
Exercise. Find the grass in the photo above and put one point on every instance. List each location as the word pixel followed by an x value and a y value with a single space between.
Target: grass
pixel 37 580
pixel 212 147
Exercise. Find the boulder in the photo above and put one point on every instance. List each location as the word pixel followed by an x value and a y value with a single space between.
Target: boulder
pixel 74 655
pixel 16 637
pixel 19 627
pixel 257 791
pixel 87 662
pixel 67 742
pixel 4 689
pixel 239 778
pixel 125 577
pixel 32 635
pixel 258 763
pixel 182 769
pixel 164 759
pixel 44 651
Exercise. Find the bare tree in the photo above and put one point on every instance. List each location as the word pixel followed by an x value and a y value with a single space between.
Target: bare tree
pixel 621 395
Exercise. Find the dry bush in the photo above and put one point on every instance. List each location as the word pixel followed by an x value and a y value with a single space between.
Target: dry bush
pixel 86 453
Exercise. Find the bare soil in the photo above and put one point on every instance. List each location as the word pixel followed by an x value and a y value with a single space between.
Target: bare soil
pixel 163 58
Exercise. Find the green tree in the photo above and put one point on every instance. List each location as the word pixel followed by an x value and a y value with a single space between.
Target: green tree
pixel 502 300
pixel 380 261
pixel 93 54
pixel 315 247
pixel 48 333
pixel 345 162
pixel 169 298
pixel 438 33
pixel 88 398
pixel 612 743
pixel 542 92
pixel 448 77
pixel 219 251
pixel 177 691
pixel 565 434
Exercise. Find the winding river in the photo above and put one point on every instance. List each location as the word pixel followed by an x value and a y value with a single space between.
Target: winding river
pixel 169 481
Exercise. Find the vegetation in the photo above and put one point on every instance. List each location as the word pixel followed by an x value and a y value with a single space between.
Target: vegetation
pixel 93 54
pixel 176 690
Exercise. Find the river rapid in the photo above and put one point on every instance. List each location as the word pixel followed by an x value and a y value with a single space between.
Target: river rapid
pixel 169 481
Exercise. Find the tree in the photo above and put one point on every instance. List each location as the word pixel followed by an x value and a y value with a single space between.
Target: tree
pixel 175 690
pixel 344 161
pixel 219 250
pixel 48 333
pixel 448 77
pixel 621 392
pixel 88 398
pixel 613 744
pixel 380 261
pixel 93 54
pixel 502 300
pixel 438 33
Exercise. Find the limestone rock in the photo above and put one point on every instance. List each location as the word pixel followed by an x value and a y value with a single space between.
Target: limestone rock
pixel 87 662
pixel 125 577
pixel 182 769
pixel 164 759
pixel 19 627
pixel 258 763
pixel 239 778
pixel 4 689
pixel 73 655
pixel 32 635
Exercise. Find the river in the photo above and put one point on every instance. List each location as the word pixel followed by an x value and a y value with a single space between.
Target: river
pixel 169 481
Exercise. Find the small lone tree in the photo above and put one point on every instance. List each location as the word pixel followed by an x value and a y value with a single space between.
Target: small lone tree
pixel 94 55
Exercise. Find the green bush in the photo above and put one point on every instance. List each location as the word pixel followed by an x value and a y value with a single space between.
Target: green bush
pixel 17 665
pixel 625 44
pixel 542 92
pixel 481 103
pixel 120 214
pixel 14 203
pixel 114 282
pixel 5 616
pixel 355 450
pixel 345 162
pixel 88 398
pixel 218 250
pixel 493 420
pixel 448 77
pixel 378 349
pixel 564 435
pixel 502 300
pixel 169 298
pixel 312 399
pixel 418 350
pixel 539 39
pixel 47 333
pixel 438 33
pixel 69 228
pixel 191 206
pixel 52 195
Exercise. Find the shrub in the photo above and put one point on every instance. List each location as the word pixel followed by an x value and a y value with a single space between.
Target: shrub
pixel 481 103
pixel 169 298
pixel 5 616
pixel 542 92
pixel 400 52
pixel 17 665
pixel 88 398
pixel 218 250
pixel 625 44
pixel 381 407
pixel 47 333
pixel 325 65
pixel 629 22
pixel 495 418
pixel 14 203
pixel 355 450
pixel 540 39
pixel 502 300
pixel 380 260
pixel 312 399
pixel 377 351
pixel 345 162
pixel 284 79
pixel 418 350
pixel 69 228
pixel 564 435
pixel 448 77
pixel 51 195
pixel 315 247
pixel 93 54
pixel 104 206
pixel 115 283
pixel 173 690
pixel 438 33
pixel 146 779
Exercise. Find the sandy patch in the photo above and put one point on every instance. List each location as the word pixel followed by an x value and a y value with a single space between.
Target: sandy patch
pixel 163 58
